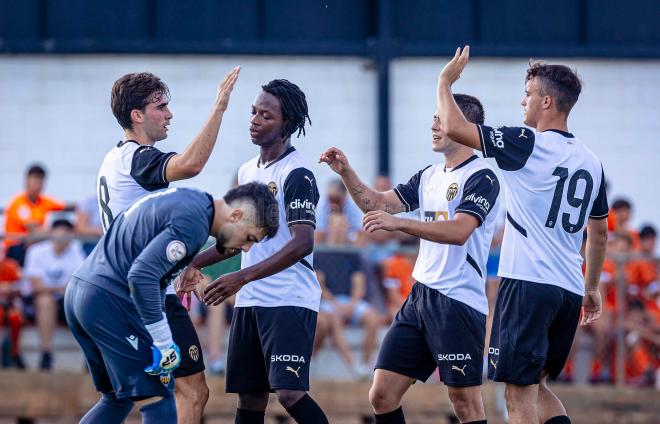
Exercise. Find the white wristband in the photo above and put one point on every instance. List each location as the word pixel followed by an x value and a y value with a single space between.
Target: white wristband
pixel 160 333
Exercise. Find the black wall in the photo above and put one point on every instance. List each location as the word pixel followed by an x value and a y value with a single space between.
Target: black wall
pixel 609 28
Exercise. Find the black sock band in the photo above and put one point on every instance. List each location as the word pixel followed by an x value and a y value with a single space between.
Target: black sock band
pixel 306 411
pixel 243 416
pixel 559 419
pixel 478 422
pixel 394 417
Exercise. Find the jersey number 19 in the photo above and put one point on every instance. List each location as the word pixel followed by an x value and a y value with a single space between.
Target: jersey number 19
pixel 580 202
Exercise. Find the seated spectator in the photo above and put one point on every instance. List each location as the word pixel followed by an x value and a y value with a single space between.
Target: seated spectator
pixel 10 313
pixel 621 211
pixel 398 279
pixel 329 325
pixel 48 267
pixel 644 269
pixel 337 200
pixel 88 223
pixel 343 273
pixel 26 213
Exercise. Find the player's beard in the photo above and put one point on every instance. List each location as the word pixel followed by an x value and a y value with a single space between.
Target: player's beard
pixel 220 242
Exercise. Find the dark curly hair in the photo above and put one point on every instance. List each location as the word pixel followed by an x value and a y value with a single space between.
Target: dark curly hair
pixel 265 205
pixel 294 105
pixel 135 91
pixel 557 81
pixel 471 108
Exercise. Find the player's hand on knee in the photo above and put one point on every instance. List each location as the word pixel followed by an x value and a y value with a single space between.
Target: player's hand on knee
pixel 164 361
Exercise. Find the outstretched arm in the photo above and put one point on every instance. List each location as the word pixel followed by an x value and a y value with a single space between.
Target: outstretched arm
pixel 191 161
pixel 454 123
pixel 456 231
pixel 300 245
pixel 364 196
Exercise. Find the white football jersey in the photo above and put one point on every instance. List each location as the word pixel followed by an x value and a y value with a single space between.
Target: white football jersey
pixel 294 187
pixel 128 172
pixel 458 272
pixel 553 185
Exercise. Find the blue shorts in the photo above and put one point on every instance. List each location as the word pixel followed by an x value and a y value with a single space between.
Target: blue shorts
pixel 533 330
pixel 270 349
pixel 433 331
pixel 115 342
pixel 361 307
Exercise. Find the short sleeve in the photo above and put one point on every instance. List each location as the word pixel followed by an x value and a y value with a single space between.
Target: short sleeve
pixel 301 196
pixel 480 194
pixel 600 209
pixel 509 146
pixel 148 167
pixel 408 193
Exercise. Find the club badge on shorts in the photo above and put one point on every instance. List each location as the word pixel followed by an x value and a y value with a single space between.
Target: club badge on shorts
pixel 175 251
pixel 194 353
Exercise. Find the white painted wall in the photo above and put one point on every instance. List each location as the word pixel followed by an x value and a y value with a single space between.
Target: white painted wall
pixel 55 110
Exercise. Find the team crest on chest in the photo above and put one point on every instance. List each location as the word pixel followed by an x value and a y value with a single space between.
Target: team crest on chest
pixel 272 187
pixel 452 191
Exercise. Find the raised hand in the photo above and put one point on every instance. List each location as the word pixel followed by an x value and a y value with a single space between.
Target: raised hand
pixel 225 88
pixel 453 69
pixel 336 159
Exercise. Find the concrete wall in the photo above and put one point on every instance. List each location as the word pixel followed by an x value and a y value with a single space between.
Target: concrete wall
pixel 55 109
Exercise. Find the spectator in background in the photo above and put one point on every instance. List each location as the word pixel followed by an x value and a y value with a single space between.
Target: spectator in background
pixel 26 213
pixel 10 314
pixel 48 267
pixel 88 223
pixel 343 274
pixel 397 277
pixel 336 200
pixel 622 211
pixel 644 269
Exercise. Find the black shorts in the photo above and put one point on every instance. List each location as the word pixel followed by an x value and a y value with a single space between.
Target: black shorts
pixel 270 349
pixel 185 336
pixel 432 330
pixel 533 330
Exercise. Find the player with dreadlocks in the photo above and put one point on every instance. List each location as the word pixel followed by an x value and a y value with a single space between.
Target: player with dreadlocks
pixel 272 330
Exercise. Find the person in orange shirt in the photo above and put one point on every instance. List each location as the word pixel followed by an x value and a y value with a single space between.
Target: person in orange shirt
pixel 397 279
pixel 644 270
pixel 10 276
pixel 622 213
pixel 26 213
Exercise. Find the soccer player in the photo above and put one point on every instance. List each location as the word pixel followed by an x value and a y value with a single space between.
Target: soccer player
pixel 114 302
pixel 442 323
pixel 555 186
pixel 272 331
pixel 135 168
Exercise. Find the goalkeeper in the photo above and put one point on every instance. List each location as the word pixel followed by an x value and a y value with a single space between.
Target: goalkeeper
pixel 114 302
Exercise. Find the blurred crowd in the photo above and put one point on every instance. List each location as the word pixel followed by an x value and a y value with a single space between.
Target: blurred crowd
pixel 365 279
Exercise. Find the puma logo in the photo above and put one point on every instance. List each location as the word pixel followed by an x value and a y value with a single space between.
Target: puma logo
pixel 291 369
pixel 492 181
pixel 461 370
pixel 493 364
pixel 522 133
pixel 308 179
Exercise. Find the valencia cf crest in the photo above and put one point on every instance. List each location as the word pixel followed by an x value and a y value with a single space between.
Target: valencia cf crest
pixel 452 191
pixel 165 378
pixel 194 353
pixel 272 187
